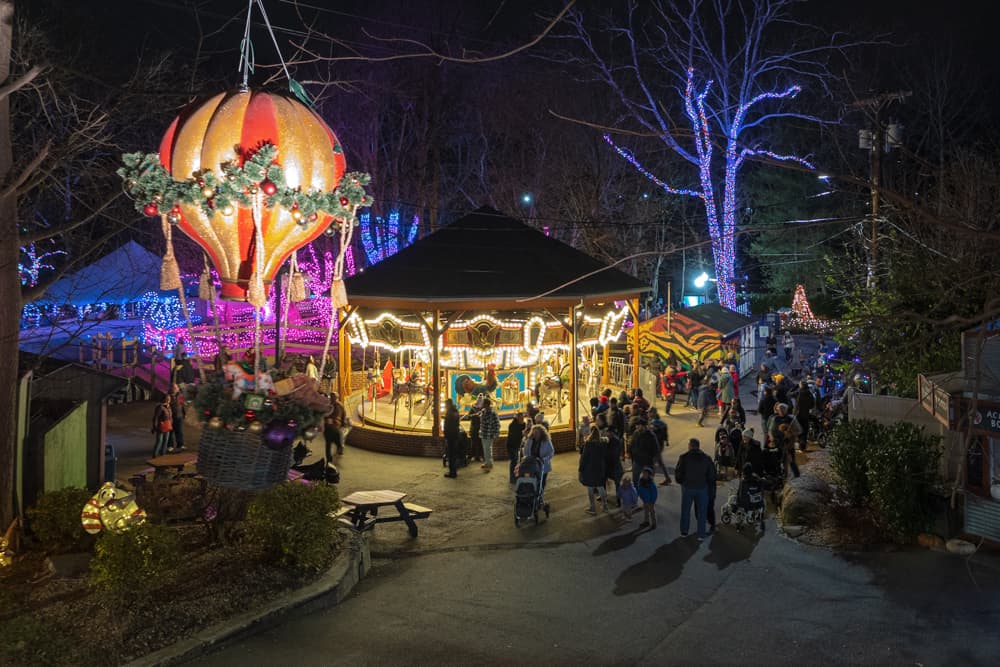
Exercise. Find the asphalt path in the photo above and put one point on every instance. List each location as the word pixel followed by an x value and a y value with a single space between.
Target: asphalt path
pixel 584 590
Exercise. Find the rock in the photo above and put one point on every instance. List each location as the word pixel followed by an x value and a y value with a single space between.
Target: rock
pixel 793 531
pixel 960 547
pixel 804 500
pixel 68 565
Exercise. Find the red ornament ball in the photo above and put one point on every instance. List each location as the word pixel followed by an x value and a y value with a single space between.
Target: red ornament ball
pixel 268 187
pixel 344 201
pixel 151 209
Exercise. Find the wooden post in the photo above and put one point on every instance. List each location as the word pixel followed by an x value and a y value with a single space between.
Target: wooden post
pixel 343 357
pixel 573 372
pixel 633 306
pixel 436 334
pixel 605 367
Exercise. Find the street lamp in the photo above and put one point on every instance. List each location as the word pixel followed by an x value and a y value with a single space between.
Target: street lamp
pixel 701 280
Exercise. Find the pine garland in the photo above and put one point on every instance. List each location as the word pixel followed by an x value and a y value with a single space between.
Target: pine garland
pixel 152 187
pixel 215 399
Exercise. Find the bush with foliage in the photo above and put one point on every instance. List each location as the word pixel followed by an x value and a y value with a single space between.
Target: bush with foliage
pixel 135 562
pixel 902 472
pixel 292 523
pixel 55 520
pixel 892 468
pixel 849 449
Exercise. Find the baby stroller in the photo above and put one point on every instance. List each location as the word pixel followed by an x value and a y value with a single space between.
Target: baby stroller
pixel 746 505
pixel 529 495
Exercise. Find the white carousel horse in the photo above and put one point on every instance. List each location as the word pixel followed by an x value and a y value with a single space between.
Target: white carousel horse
pixel 244 381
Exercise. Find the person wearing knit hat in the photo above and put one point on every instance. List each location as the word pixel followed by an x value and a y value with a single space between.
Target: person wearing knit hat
pixel 751 452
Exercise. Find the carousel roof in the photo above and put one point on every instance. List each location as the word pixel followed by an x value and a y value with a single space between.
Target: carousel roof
pixel 489 260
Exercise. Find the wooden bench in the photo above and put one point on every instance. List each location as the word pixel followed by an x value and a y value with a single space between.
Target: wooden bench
pixel 348 516
pixel 417 511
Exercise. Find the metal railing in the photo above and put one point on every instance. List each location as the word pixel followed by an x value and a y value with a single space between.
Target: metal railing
pixel 619 373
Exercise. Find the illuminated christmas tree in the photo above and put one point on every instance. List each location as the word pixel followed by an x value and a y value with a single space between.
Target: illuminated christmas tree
pixel 800 305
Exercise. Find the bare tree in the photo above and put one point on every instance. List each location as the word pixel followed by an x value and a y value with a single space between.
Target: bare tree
pixel 704 79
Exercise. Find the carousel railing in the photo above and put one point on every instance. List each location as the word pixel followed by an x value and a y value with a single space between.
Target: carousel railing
pixel 619 373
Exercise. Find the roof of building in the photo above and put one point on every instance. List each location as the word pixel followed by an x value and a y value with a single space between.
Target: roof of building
pixel 121 276
pixel 487 260
pixel 717 317
pixel 76 381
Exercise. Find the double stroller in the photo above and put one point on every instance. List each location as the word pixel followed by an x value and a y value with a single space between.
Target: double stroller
pixel 746 505
pixel 529 494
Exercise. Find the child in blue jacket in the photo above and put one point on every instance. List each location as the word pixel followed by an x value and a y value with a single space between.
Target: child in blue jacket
pixel 647 494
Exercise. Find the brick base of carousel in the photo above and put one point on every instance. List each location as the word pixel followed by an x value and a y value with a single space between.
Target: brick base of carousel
pixel 410 443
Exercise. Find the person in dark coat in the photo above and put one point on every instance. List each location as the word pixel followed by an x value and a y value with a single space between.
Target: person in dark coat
pixel 659 429
pixel 642 448
pixel 696 474
pixel 515 434
pixel 616 418
pixel 706 399
pixel 804 404
pixel 751 452
pixel 591 471
pixel 475 421
pixel 613 469
pixel 451 433
pixel 765 408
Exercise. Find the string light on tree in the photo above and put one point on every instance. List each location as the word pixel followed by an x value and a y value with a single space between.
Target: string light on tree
pixel 701 117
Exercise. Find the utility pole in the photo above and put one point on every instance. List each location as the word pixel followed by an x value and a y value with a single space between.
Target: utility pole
pixel 884 137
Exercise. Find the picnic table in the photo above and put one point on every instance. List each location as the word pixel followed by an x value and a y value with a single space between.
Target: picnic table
pixel 361 510
pixel 171 464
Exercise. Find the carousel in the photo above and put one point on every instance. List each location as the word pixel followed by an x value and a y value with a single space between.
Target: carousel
pixel 485 307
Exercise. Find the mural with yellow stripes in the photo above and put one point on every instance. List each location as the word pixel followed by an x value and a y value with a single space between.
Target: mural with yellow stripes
pixel 686 340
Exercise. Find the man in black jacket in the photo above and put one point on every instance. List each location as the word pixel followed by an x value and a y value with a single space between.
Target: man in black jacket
pixel 642 448
pixel 696 474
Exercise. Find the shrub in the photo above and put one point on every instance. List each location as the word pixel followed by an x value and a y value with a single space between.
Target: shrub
pixel 135 562
pixel 55 520
pixel 293 524
pixel 902 472
pixel 849 449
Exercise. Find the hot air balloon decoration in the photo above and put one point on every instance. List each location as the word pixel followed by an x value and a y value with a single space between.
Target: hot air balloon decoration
pixel 251 177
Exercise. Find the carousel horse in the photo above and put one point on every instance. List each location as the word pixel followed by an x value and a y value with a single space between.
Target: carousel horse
pixel 464 384
pixel 550 389
pixel 410 389
pixel 510 390
pixel 243 380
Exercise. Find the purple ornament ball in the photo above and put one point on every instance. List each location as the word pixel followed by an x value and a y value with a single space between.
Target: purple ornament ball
pixel 278 435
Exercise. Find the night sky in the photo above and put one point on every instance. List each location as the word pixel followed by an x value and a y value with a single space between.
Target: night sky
pixel 112 34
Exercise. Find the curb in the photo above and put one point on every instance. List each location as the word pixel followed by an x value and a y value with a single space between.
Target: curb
pixel 327 591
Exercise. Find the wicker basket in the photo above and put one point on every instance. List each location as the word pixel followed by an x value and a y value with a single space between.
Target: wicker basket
pixel 239 460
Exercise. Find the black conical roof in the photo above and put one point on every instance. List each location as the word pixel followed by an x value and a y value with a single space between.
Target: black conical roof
pixel 489 260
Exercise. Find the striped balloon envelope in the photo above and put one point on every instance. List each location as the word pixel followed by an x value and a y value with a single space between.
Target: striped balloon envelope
pixel 227 128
